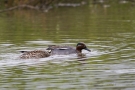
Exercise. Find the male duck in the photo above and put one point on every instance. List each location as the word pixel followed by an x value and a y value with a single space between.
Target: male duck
pixel 34 54
pixel 65 50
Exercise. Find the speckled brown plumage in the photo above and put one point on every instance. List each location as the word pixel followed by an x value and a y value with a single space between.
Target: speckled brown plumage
pixel 34 54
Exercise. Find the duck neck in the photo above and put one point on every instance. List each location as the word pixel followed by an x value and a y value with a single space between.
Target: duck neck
pixel 78 50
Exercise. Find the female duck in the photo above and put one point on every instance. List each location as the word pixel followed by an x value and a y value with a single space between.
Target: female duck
pixel 65 50
pixel 34 54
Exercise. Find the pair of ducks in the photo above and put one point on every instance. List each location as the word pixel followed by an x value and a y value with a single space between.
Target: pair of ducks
pixel 54 50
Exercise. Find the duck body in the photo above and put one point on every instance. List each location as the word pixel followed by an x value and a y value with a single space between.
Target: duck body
pixel 34 54
pixel 54 50
pixel 61 50
pixel 65 50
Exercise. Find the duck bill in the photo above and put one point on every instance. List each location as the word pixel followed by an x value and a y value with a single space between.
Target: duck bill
pixel 88 49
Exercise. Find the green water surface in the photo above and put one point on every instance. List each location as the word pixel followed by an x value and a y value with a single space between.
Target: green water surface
pixel 107 29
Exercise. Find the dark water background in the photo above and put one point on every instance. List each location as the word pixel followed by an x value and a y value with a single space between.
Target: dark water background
pixel 107 29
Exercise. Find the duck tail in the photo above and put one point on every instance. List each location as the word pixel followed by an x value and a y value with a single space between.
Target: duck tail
pixel 23 51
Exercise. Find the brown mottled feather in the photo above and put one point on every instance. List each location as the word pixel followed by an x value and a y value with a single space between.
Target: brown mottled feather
pixel 34 54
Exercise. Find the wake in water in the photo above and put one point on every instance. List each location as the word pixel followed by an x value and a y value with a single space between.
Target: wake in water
pixel 12 59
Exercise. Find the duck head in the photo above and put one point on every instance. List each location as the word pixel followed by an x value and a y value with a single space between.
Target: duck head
pixel 81 46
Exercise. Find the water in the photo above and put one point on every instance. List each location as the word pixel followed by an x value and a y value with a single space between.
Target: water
pixel 107 31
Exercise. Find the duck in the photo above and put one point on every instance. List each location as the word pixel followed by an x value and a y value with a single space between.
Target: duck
pixel 35 54
pixel 66 50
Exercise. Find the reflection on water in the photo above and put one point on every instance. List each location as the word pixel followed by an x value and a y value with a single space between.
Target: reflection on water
pixel 108 32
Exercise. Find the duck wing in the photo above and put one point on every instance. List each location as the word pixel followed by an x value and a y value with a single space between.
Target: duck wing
pixel 61 50
pixel 52 47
